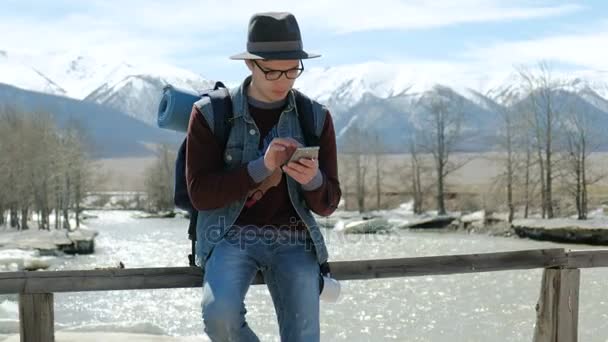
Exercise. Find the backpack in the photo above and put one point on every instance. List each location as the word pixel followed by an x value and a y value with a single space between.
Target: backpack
pixel 222 115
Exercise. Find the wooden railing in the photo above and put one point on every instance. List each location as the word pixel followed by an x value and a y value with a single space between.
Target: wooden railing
pixel 557 308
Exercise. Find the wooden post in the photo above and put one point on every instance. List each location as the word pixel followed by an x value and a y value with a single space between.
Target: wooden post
pixel 36 317
pixel 557 308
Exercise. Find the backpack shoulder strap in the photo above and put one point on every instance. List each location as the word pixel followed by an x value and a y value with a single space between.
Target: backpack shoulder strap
pixel 222 114
pixel 216 107
pixel 312 117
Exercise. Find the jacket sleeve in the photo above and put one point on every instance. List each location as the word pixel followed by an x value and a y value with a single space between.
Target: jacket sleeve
pixel 209 185
pixel 323 193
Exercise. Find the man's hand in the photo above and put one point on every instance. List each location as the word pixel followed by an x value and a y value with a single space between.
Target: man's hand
pixel 279 151
pixel 303 171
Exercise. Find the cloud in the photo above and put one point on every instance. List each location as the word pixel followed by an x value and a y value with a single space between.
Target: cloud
pixel 410 15
pixel 198 33
pixel 587 49
pixel 159 30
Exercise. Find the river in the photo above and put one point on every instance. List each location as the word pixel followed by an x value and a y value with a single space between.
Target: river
pixel 496 306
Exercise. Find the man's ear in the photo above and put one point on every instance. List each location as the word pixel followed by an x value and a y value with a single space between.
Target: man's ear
pixel 249 64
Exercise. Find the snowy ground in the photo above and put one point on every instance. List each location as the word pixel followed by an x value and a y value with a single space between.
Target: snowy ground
pixel 12 260
pixel 35 249
pixel 114 337
pixel 128 332
pixel 596 219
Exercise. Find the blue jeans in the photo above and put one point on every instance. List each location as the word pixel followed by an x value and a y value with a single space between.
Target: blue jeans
pixel 291 271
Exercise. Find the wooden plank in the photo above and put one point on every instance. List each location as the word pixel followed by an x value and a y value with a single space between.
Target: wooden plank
pixel 587 259
pixel 448 264
pixel 100 280
pixel 179 277
pixel 557 308
pixel 568 305
pixel 36 317
pixel 544 327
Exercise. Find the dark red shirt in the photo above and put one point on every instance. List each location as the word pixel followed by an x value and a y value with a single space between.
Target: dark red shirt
pixel 211 187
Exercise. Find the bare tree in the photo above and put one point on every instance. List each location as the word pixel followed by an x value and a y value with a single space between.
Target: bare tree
pixel 578 154
pixel 357 143
pixel 441 130
pixel 507 142
pixel 543 118
pixel 6 142
pixel 378 150
pixel 416 172
pixel 10 123
pixel 528 185
pixel 582 139
pixel 22 143
pixel 45 170
pixel 345 173
pixel 159 178
pixel 74 170
pixel 33 168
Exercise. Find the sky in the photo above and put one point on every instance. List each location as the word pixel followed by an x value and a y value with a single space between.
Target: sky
pixel 472 36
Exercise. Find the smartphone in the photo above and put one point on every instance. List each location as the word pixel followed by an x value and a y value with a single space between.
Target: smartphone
pixel 305 152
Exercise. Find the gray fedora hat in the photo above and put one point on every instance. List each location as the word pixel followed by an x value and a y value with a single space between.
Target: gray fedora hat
pixel 274 35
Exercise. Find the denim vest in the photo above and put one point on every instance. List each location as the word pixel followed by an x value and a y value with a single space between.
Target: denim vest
pixel 242 147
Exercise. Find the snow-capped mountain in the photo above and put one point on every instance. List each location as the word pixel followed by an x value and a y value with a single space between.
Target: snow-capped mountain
pixel 113 82
pixel 78 76
pixel 139 95
pixel 381 97
pixel 75 75
pixel 14 72
pixel 392 99
pixel 394 119
pixel 343 86
pixel 593 92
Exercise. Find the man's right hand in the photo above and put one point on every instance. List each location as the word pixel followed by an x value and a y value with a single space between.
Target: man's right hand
pixel 279 151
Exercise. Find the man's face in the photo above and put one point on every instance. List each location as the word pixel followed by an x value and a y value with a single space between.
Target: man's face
pixel 272 90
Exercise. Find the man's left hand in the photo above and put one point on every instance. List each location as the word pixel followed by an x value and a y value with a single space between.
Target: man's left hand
pixel 303 171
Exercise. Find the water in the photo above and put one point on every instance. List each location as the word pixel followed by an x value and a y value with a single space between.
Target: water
pixel 497 306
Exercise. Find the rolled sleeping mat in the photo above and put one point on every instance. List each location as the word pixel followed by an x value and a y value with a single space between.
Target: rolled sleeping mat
pixel 175 108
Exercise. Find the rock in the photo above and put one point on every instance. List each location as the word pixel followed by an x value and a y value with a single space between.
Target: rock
pixel 20 260
pixel 473 217
pixel 592 231
pixel 327 222
pixel 430 222
pixel 336 219
pixel 84 216
pixel 168 214
pixel 370 226
pixel 497 218
pixel 36 264
pixel 79 247
pixel 81 241
pixel 473 221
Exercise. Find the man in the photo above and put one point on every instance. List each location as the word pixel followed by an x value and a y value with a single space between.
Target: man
pixel 255 206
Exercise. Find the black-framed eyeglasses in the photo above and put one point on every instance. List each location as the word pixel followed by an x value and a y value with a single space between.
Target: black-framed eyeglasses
pixel 273 75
